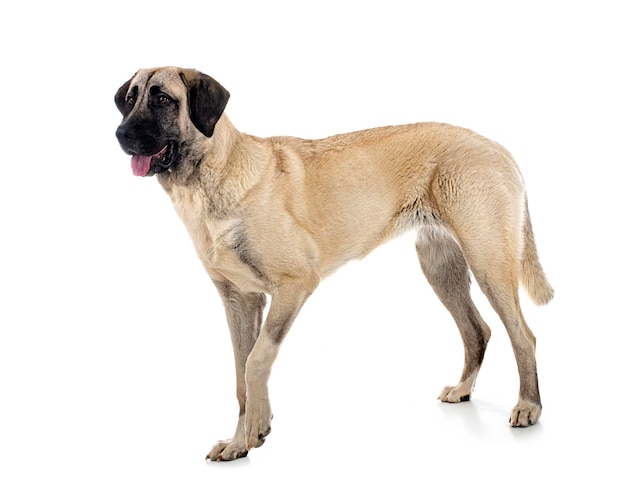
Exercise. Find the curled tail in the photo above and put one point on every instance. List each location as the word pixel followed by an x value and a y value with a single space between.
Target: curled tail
pixel 532 275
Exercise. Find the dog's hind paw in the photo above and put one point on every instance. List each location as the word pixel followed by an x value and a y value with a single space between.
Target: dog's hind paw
pixel 525 413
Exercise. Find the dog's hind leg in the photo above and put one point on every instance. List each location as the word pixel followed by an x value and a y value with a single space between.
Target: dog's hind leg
pixel 500 286
pixel 446 270
pixel 494 263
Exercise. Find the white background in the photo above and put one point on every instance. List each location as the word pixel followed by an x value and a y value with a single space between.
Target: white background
pixel 115 360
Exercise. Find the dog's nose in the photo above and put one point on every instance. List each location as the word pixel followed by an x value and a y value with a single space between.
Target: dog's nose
pixel 123 134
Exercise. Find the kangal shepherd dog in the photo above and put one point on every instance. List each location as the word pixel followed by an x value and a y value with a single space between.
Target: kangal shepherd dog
pixel 273 216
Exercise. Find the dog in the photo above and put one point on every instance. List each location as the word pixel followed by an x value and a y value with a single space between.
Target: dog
pixel 274 216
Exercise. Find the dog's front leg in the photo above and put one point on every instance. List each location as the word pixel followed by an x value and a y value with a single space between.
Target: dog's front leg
pixel 244 313
pixel 286 303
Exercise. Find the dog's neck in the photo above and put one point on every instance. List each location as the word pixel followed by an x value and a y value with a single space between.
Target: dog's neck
pixel 225 173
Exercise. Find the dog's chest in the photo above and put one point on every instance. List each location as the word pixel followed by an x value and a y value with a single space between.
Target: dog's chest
pixel 218 241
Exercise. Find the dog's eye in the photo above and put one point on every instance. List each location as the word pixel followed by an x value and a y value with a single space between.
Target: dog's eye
pixel 164 100
pixel 130 101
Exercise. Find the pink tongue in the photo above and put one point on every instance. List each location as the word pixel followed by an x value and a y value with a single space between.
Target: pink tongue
pixel 140 164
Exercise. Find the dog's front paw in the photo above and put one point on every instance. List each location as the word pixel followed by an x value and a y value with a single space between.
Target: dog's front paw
pixel 455 394
pixel 525 413
pixel 227 450
pixel 258 422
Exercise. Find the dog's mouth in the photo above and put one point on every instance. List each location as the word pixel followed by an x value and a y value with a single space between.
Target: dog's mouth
pixel 163 160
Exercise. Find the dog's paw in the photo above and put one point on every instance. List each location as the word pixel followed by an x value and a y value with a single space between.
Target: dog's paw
pixel 258 422
pixel 227 450
pixel 525 413
pixel 455 394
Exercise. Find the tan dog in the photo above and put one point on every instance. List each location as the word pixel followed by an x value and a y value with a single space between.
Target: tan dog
pixel 275 216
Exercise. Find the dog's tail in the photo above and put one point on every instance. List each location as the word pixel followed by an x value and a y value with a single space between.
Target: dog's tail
pixel 532 275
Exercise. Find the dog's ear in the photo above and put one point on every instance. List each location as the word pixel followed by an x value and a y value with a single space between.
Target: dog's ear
pixel 206 99
pixel 120 97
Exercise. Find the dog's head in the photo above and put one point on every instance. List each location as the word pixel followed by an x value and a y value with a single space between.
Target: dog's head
pixel 165 111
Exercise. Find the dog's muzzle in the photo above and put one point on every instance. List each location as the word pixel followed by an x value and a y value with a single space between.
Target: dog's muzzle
pixel 148 157
pixel 162 161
